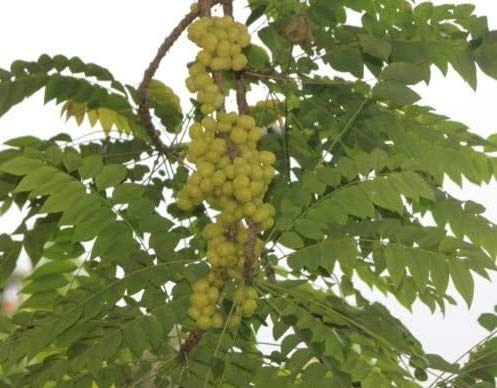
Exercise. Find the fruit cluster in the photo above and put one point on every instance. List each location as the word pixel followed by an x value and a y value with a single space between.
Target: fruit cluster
pixel 237 184
pixel 222 40
pixel 205 300
pixel 231 175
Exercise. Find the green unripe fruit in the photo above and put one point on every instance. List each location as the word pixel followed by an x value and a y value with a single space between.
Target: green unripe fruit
pixel 200 286
pixel 233 34
pixel 206 169
pixel 252 293
pixel 249 307
pixel 206 185
pixel 249 209
pixel 194 313
pixel 230 171
pixel 209 123
pixel 196 69
pixel 184 204
pixel 223 48
pixel 235 49
pixel 196 131
pixel 238 135
pixel 224 22
pixel 191 85
pixel 246 122
pixel 209 42
pixel 239 62
pixel 220 63
pixel 267 157
pixel 204 323
pixel 199 300
pixel 241 182
pixel 243 195
pixel 244 38
pixel 213 294
pixel 224 127
pixel 207 109
pixel 255 134
pixel 207 311
pixel 267 224
pixel 217 321
pixel 218 178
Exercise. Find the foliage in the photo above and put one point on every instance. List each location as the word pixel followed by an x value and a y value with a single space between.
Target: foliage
pixel 359 165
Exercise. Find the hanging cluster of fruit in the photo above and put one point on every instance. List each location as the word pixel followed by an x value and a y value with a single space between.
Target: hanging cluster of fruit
pixel 231 175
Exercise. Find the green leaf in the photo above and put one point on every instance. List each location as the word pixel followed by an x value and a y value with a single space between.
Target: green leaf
pixel 378 48
pixel 395 92
pixel 257 57
pixel 488 321
pixel 91 166
pixel 111 175
pixel 406 73
pixel 291 240
pixel 21 166
pixel 396 261
pixel 463 281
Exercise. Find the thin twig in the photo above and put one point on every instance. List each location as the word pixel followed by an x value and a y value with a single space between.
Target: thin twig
pixel 143 108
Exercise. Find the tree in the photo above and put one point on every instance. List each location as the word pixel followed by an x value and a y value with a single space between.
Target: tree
pixel 158 262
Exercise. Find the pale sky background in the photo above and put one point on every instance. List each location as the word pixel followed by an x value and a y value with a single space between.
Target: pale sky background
pixel 124 35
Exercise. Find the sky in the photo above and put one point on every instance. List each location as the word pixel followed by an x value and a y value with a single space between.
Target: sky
pixel 123 36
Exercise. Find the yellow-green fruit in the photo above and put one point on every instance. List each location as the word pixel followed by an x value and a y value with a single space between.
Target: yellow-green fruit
pixel 206 185
pixel 204 323
pixel 238 135
pixel 241 182
pixel 243 195
pixel 194 313
pixel 217 321
pixel 212 156
pixel 252 293
pixel 207 311
pixel 204 57
pixel 224 127
pixel 224 22
pixel 246 122
pixel 199 300
pixel 249 209
pixel 209 123
pixel 218 178
pixel 239 62
pixel 227 188
pixel 200 286
pixel 209 42
pixel 244 39
pixel 221 34
pixel 267 157
pixel 249 307
pixel 223 48
pixel 196 131
pixel 220 63
pixel 213 294
pixel 255 134
pixel 205 169
pixel 233 34
pixel 190 85
pixel 184 204
pixel 196 69
pixel 268 172
pixel 235 49
pixel 207 109
pixel 267 224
